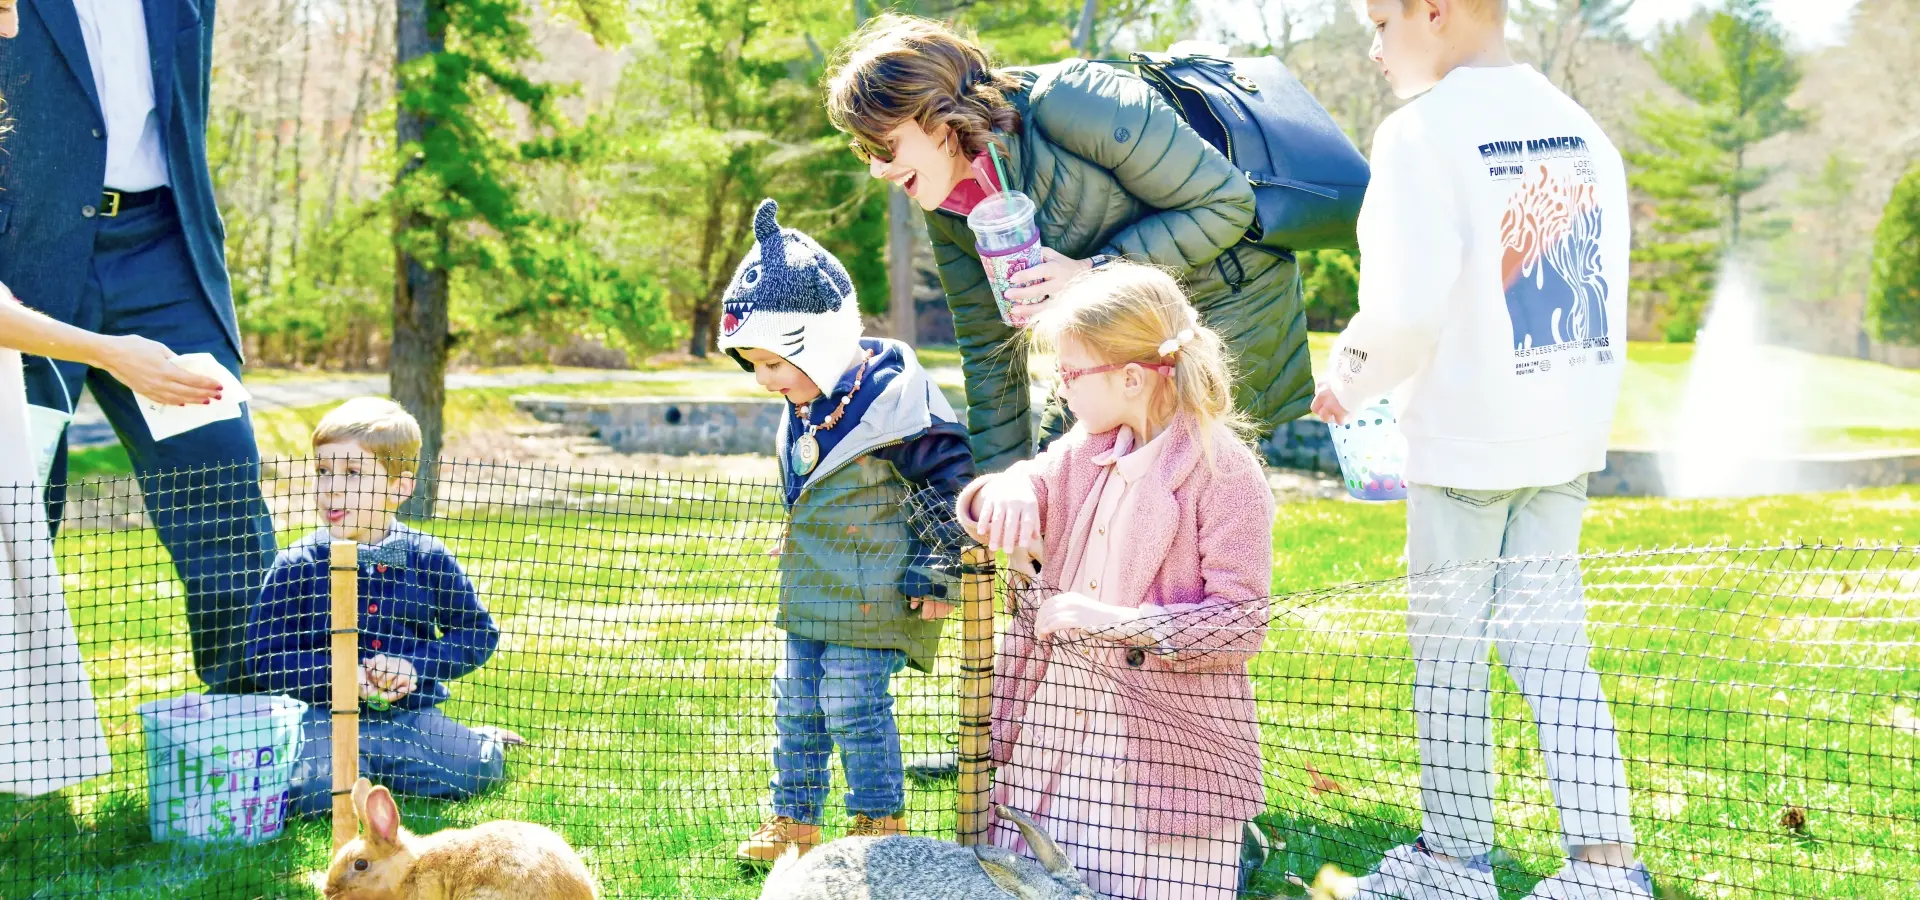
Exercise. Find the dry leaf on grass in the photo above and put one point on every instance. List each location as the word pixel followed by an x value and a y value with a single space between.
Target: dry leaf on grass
pixel 1322 784
pixel 1794 819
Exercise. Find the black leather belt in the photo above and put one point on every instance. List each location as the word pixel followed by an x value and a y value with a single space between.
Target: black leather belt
pixel 112 203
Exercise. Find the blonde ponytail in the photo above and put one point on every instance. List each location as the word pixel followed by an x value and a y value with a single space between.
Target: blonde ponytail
pixel 1124 312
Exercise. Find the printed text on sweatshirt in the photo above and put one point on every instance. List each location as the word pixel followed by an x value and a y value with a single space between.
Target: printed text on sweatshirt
pixel 1493 283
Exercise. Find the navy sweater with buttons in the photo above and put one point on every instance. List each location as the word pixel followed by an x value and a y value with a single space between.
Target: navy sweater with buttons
pixel 415 604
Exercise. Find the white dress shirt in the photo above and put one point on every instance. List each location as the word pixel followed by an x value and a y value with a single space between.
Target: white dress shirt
pixel 116 35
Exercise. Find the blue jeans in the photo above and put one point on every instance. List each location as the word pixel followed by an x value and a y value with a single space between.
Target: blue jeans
pixel 202 487
pixel 827 694
pixel 420 753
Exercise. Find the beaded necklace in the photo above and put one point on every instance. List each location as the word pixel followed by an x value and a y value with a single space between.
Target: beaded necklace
pixel 806 449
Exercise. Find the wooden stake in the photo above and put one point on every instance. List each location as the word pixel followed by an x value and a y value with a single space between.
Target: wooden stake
pixel 976 694
pixel 344 575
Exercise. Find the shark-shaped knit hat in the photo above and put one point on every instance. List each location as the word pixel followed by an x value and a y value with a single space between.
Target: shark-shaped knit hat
pixel 791 297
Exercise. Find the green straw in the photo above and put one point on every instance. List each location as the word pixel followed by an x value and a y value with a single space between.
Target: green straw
pixel 999 168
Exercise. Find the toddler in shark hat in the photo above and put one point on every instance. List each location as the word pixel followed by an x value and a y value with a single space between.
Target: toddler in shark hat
pixel 862 594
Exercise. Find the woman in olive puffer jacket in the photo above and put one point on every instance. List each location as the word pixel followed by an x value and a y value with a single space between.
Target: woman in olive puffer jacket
pixel 1112 170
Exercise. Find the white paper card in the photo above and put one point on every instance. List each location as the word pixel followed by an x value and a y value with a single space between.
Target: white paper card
pixel 45 427
pixel 165 421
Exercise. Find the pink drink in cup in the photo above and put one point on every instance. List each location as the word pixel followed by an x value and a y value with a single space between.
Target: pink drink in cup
pixel 1008 241
pixel 1373 454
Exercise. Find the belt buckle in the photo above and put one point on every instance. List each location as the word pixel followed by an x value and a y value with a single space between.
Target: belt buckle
pixel 114 209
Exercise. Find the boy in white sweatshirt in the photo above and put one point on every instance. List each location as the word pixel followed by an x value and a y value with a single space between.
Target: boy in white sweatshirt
pixel 1493 284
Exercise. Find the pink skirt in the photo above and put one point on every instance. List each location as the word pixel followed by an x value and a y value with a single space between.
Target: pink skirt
pixel 1069 774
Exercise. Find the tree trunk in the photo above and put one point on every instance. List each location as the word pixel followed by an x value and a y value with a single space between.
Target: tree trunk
pixel 705 335
pixel 702 335
pixel 298 186
pixel 1083 32
pixel 906 318
pixel 1739 167
pixel 276 118
pixel 417 365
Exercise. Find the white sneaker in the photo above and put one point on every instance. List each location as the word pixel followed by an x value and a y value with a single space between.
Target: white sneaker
pixel 1582 880
pixel 1409 872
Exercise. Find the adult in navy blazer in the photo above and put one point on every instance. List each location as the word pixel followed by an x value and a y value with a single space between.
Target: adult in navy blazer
pixel 108 222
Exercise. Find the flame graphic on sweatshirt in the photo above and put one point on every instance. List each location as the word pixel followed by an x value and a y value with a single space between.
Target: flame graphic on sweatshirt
pixel 1550 269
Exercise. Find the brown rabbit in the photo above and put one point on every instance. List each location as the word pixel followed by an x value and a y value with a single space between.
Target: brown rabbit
pixel 492 861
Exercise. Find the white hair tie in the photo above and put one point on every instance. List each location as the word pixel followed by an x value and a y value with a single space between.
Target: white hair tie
pixel 1172 345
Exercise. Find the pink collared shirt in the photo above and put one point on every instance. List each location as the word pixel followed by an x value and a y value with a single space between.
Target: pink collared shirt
pixel 1113 515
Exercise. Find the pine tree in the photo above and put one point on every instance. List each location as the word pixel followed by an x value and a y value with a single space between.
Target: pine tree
pixel 1735 73
pixel 458 200
pixel 1893 294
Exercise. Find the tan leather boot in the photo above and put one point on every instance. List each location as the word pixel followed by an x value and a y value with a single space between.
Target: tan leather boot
pixel 774 836
pixel 869 826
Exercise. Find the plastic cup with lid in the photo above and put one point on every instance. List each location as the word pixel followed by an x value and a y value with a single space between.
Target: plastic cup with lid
pixel 1008 240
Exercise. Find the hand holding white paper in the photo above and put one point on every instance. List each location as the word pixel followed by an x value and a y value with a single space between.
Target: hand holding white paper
pixel 165 420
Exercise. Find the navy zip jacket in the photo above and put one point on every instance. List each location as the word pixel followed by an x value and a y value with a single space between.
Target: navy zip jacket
pixel 415 604
pixel 938 458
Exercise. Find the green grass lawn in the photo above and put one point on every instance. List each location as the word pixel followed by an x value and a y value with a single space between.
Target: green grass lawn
pixel 1845 405
pixel 637 640
pixel 1852 405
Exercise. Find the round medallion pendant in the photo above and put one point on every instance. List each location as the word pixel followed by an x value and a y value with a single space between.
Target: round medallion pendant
pixel 806 454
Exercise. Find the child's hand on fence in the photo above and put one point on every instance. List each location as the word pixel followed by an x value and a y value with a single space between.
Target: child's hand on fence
pixel 930 608
pixel 1006 513
pixel 1071 611
pixel 393 675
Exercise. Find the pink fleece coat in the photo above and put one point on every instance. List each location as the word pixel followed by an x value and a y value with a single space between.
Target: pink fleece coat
pixel 1200 550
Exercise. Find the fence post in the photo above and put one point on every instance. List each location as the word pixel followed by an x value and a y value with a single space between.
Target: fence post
pixel 976 693
pixel 344 577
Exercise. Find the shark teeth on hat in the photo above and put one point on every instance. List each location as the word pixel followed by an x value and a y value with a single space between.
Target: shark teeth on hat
pixel 736 309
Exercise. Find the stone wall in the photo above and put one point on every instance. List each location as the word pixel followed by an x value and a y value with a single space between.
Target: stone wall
pixel 678 426
pixel 684 426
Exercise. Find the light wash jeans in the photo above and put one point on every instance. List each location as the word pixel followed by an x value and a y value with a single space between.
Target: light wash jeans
pixel 827 694
pixel 1535 615
pixel 420 753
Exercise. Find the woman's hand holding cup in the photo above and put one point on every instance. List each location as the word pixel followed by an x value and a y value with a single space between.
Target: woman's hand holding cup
pixel 1035 286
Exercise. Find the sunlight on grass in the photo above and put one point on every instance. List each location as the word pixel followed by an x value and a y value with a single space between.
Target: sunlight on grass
pixel 1853 407
pixel 1847 405
pixel 637 645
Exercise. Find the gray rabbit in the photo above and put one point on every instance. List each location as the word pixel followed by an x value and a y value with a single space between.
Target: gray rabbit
pixel 918 868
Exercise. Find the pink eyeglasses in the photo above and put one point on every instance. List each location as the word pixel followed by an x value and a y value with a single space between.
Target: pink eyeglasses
pixel 1068 376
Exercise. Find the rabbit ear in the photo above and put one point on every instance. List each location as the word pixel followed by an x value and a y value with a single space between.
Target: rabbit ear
pixel 361 789
pixel 1000 868
pixel 1045 851
pixel 382 819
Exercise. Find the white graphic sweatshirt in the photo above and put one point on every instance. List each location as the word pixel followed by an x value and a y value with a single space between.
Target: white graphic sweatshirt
pixel 1493 282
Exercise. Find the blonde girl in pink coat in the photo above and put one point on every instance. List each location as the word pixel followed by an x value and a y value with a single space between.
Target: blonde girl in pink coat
pixel 1124 720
